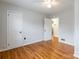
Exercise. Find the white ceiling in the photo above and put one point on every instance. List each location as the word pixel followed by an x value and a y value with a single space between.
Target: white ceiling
pixel 35 5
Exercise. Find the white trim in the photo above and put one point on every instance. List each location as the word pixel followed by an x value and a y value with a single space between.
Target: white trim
pixel 21 46
pixel 3 50
pixel 46 39
pixel 76 55
pixel 67 43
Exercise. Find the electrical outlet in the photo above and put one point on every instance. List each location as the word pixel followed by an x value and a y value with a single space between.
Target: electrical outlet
pixel 24 38
pixel 63 39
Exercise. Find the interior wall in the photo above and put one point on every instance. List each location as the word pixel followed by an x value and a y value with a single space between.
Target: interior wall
pixel 33 26
pixel 66 25
pixel 0 28
pixel 76 37
pixel 32 23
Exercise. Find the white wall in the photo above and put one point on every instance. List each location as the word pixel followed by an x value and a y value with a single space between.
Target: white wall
pixel 66 25
pixel 33 24
pixel 76 37
pixel 0 28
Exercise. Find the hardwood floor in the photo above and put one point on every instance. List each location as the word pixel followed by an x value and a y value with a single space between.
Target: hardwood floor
pixel 41 50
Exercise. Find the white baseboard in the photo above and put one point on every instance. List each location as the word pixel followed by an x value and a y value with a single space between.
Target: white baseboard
pixel 4 50
pixel 67 43
pixel 76 55
pixel 20 46
pixel 46 39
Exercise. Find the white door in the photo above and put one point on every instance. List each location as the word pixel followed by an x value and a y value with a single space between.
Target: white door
pixel 47 29
pixel 14 29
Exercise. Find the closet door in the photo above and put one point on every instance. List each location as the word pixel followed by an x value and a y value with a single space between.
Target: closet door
pixel 47 29
pixel 14 29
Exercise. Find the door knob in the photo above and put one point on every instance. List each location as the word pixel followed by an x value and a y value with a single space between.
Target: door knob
pixel 20 32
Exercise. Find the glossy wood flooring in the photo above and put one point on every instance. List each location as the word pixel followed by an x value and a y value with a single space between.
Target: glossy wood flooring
pixel 41 50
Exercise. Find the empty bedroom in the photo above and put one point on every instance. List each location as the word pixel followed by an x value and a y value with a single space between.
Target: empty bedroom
pixel 39 29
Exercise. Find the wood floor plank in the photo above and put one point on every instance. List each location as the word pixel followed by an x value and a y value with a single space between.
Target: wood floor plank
pixel 42 50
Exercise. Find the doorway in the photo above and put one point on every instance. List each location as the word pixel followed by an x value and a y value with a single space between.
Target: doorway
pixel 55 26
pixel 51 28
